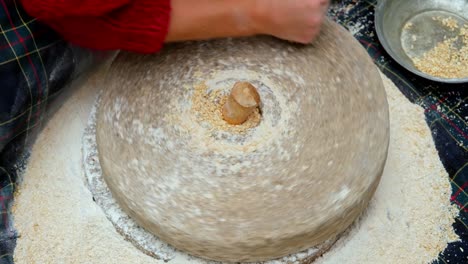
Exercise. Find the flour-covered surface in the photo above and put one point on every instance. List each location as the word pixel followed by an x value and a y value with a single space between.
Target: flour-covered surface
pixel 395 227
pixel 385 217
pixel 128 228
pixel 286 185
pixel 66 225
pixel 446 111
pixel 445 107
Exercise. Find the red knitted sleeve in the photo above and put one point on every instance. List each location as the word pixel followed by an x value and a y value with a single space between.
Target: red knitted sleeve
pixel 52 9
pixel 132 25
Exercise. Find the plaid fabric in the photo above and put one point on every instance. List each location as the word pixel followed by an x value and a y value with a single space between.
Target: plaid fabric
pixel 34 65
pixel 446 110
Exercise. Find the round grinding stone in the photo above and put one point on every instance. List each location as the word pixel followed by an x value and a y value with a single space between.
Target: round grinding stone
pixel 300 176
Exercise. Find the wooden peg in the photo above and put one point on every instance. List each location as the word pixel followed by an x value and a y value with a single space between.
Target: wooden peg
pixel 241 103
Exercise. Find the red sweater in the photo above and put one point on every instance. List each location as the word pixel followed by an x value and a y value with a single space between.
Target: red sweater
pixel 132 25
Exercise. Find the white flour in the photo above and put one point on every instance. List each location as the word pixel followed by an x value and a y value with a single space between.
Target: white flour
pixel 409 219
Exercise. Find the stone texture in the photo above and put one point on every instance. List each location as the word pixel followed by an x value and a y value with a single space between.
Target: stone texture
pixel 302 178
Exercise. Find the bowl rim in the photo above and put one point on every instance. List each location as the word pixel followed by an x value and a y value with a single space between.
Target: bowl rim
pixel 378 20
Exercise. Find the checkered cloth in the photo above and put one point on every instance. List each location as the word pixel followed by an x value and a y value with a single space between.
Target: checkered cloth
pixel 35 64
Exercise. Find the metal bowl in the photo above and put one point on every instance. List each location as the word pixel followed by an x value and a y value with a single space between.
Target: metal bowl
pixel 408 29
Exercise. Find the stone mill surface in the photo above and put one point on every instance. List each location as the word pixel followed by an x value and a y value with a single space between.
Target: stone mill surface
pixel 300 177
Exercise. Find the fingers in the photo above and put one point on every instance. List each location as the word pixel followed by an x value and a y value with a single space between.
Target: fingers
pixel 324 3
pixel 320 6
pixel 295 20
pixel 308 35
pixel 316 20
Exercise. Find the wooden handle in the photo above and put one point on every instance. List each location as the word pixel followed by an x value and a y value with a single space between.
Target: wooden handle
pixel 241 103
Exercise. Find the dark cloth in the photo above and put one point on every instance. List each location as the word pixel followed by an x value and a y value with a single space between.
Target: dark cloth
pixel 35 64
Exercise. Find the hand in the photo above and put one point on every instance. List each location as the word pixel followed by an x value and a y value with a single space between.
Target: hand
pixel 293 20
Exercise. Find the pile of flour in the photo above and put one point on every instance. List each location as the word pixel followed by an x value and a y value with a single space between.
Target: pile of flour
pixel 408 221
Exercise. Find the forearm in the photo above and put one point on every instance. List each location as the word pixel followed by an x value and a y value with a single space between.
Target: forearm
pixel 205 19
pixel 144 25
pixel 140 26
